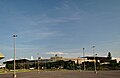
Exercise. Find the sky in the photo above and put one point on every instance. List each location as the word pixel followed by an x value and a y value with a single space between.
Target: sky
pixel 63 27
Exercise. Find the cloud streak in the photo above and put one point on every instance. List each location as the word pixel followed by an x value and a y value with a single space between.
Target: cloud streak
pixel 61 53
pixel 32 35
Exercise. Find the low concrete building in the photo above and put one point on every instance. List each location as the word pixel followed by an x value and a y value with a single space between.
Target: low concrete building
pixel 76 60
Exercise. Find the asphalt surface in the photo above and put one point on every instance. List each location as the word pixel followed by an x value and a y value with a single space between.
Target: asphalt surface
pixel 65 74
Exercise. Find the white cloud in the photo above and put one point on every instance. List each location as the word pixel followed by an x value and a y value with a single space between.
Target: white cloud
pixel 56 53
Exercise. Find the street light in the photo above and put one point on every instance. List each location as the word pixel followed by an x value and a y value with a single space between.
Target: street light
pixel 38 63
pixel 94 59
pixel 83 57
pixel 14 46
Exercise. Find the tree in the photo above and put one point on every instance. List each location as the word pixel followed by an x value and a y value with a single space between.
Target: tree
pixel 70 65
pixel 109 56
pixel 9 66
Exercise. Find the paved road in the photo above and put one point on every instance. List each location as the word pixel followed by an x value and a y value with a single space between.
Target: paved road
pixel 66 74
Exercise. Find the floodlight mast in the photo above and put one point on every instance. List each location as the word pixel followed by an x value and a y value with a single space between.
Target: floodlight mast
pixel 93 47
pixel 84 58
pixel 14 46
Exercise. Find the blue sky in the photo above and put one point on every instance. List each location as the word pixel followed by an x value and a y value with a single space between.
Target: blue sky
pixel 63 26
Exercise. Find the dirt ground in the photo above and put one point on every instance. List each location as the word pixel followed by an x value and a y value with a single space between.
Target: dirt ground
pixel 65 74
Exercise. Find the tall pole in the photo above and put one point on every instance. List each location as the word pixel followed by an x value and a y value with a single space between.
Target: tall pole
pixel 45 65
pixel 94 59
pixel 14 46
pixel 83 57
pixel 38 63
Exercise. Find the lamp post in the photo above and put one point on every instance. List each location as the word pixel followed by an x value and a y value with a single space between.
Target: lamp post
pixel 94 59
pixel 84 58
pixel 14 46
pixel 38 63
pixel 45 65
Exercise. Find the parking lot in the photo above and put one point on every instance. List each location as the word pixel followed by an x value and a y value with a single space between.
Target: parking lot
pixel 65 74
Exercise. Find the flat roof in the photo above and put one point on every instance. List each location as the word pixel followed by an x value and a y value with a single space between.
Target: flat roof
pixel 96 57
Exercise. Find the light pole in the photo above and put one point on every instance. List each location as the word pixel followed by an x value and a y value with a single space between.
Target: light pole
pixel 83 57
pixel 94 59
pixel 14 46
pixel 45 65
pixel 38 63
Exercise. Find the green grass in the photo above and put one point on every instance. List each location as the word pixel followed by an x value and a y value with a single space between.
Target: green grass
pixel 3 71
